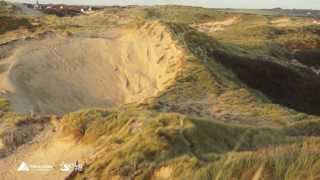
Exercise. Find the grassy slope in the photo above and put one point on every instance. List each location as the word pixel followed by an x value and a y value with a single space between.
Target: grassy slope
pixel 138 144
pixel 208 76
pixel 266 51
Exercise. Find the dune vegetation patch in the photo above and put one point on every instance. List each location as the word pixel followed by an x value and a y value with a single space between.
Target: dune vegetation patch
pixel 268 73
pixel 142 144
pixel 8 23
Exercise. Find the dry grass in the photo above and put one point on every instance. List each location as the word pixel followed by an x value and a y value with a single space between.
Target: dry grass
pixel 145 144
pixel 214 121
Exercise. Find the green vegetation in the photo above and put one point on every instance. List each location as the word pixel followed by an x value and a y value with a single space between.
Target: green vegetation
pixel 4 105
pixel 7 8
pixel 274 76
pixel 183 14
pixel 8 23
pixel 8 18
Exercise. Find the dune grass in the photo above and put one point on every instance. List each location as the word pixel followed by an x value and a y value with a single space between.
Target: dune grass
pixel 138 144
pixel 4 105
pixel 8 23
pixel 183 14
pixel 223 72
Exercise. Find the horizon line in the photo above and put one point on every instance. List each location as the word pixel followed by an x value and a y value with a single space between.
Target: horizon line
pixel 182 5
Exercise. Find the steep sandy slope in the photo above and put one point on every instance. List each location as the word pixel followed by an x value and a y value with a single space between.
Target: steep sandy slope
pixel 56 74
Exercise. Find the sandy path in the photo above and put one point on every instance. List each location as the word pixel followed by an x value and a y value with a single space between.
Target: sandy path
pixel 216 26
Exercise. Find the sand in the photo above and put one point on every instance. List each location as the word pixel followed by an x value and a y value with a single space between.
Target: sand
pixel 58 74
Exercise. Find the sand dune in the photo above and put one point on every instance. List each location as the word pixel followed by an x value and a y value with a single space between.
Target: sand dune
pixel 55 74
pixel 58 74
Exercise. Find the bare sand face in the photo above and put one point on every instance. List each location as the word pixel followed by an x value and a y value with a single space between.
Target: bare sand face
pixel 57 74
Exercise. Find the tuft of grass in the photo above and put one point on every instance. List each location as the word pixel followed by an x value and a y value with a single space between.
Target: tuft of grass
pixel 9 23
pixel 4 105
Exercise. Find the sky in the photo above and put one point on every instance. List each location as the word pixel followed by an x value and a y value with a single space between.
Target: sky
pixel 249 4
